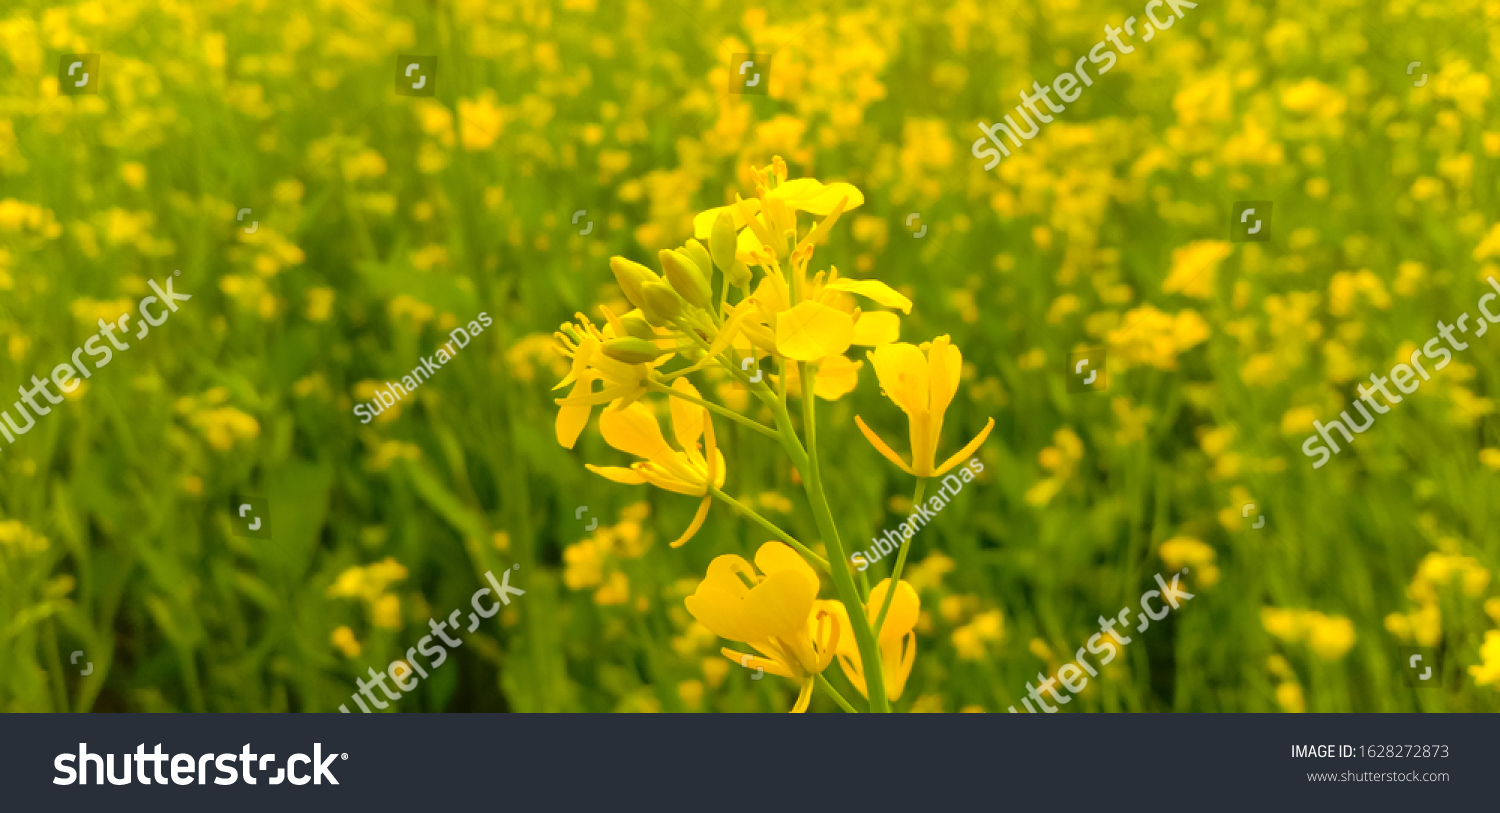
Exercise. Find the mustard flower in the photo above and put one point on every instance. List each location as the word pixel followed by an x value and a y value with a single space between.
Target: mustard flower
pixel 624 363
pixel 897 638
pixel 634 429
pixel 923 386
pixel 774 610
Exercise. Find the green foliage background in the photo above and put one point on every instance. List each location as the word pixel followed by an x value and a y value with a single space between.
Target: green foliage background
pixel 409 209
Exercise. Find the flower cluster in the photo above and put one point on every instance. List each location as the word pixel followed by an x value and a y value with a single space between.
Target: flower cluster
pixel 741 292
pixel 369 583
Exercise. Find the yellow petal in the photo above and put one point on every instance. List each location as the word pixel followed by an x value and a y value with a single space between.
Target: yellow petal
pixel 572 419
pixel 722 613
pixel 847 645
pixel 837 376
pixel 967 451
pixel 854 671
pixel 634 429
pixel 872 289
pixel 718 602
pixel 603 396
pixel 748 245
pixel 804 697
pixel 675 479
pixel 752 661
pixel 712 457
pixel 812 330
pixel 903 374
pixel 703 223
pixel 880 445
pixel 617 474
pixel 730 573
pixel 820 231
pixel 811 195
pixel 696 524
pixel 902 617
pixel 875 328
pixel 897 659
pixel 775 556
pixel 772 295
pixel 687 417
pixel 778 607
pixel 827 631
pixel 945 365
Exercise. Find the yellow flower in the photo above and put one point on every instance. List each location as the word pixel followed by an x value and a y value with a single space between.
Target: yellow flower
pixel 344 639
pixel 319 303
pixel 714 670
pixel 224 425
pixel 386 612
pixel 897 639
pixel 929 572
pixel 367 582
pixel 820 327
pixel 583 564
pixel 1194 267
pixel 1427 625
pixel 1152 337
pixel 1488 671
pixel 1289 696
pixel 1284 624
pixel 480 121
pixel 968 644
pixel 366 164
pixel 691 692
pixel 616 590
pixel 1184 551
pixel 134 174
pixel 623 380
pixel 775 611
pixel 970 639
pixel 1330 637
pixel 772 213
pixel 634 429
pixel 922 386
pixel 20 539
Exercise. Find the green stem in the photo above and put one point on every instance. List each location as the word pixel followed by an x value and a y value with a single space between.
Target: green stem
pixel 890 592
pixel 761 390
pixel 770 526
pixel 807 463
pixel 730 414
pixel 837 698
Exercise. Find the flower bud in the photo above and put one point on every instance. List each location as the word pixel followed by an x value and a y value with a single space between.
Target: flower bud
pixel 699 255
pixel 738 274
pixel 636 325
pixel 723 242
pixel 686 279
pixel 659 303
pixel 631 276
pixel 632 350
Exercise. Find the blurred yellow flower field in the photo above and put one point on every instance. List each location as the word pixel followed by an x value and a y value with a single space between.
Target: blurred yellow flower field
pixel 740 331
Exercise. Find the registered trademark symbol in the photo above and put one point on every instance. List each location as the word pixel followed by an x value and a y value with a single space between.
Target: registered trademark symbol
pixel 345 756
pixel 176 273
pixel 516 566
